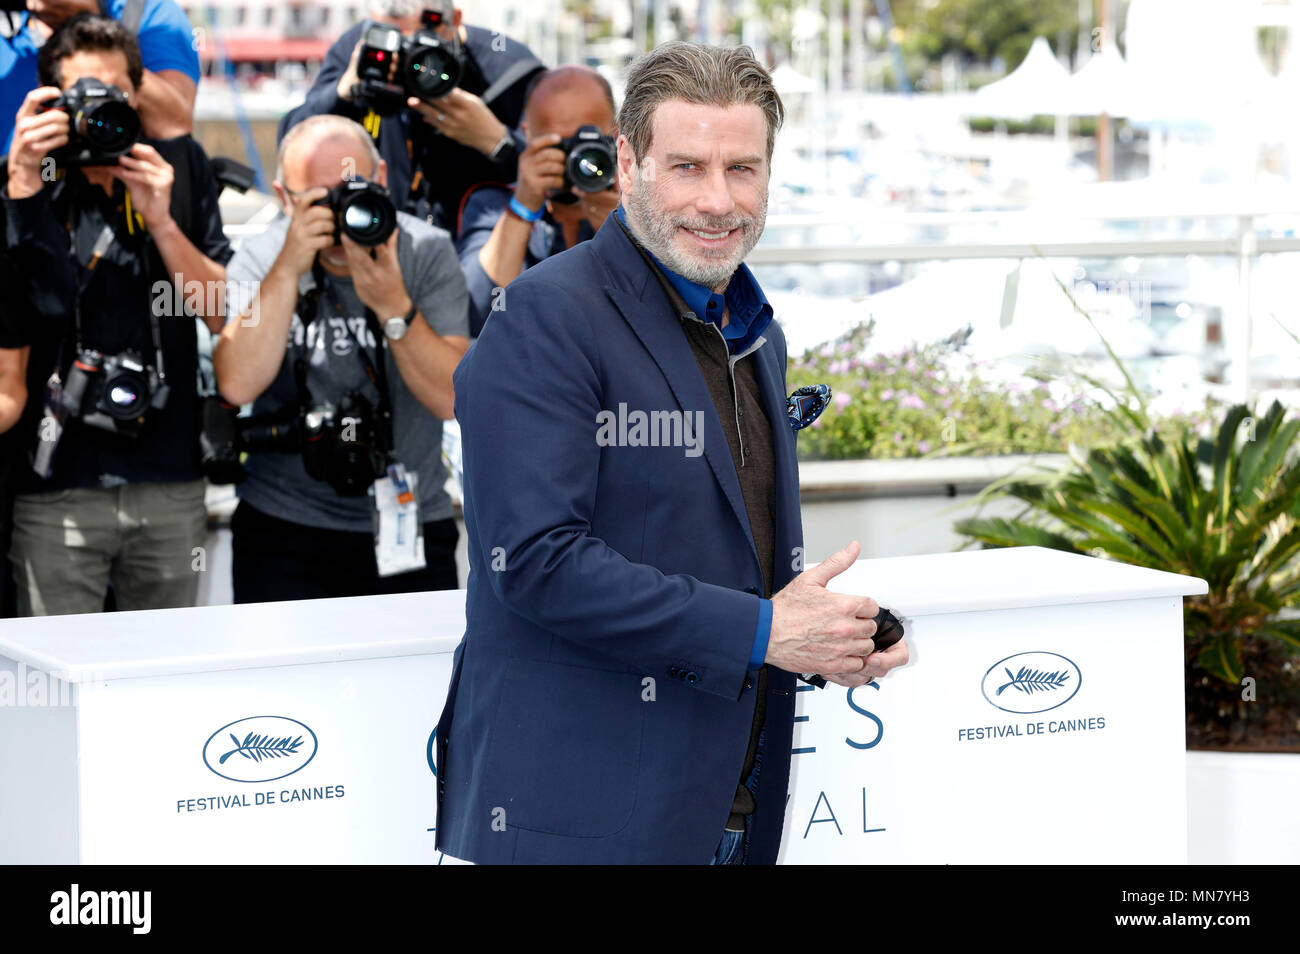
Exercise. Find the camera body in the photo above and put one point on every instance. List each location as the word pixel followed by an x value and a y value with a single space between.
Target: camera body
pixel 363 211
pixel 340 445
pixel 423 65
pixel 103 126
pixel 590 163
pixel 112 392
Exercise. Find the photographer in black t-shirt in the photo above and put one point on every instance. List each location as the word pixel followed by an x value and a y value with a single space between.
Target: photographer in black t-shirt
pixel 435 151
pixel 112 263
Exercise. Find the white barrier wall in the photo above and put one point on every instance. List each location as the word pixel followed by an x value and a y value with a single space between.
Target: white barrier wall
pixel 1041 719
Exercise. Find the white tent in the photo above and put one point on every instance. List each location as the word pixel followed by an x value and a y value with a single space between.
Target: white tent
pixel 789 81
pixel 1104 84
pixel 1035 87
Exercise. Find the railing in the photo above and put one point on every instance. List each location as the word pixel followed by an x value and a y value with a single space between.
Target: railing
pixel 1240 239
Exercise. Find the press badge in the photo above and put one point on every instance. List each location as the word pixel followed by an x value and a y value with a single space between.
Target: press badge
pixel 399 536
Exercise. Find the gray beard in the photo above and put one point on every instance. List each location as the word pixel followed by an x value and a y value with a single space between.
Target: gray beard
pixel 657 232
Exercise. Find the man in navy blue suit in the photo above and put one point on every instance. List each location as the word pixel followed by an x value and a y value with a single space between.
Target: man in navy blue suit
pixel 624 692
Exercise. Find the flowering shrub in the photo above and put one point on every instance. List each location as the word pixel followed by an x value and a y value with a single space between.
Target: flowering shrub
pixel 933 399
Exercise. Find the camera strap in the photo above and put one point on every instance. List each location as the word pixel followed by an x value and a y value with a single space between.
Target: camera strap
pixel 85 272
pixel 308 306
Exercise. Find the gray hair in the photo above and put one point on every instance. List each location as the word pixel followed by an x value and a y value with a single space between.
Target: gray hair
pixel 694 73
pixel 328 126
pixel 398 9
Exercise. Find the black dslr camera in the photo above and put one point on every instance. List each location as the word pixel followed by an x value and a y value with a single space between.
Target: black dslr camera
pixel 423 65
pixel 112 392
pixel 363 211
pixel 103 124
pixel 340 445
pixel 591 163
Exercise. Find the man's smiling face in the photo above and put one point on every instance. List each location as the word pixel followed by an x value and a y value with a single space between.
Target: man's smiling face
pixel 698 200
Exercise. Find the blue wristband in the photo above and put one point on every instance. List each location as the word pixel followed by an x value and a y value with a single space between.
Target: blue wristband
pixel 525 213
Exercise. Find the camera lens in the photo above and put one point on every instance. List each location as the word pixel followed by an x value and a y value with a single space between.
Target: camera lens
pixel 368 218
pixel 125 396
pixel 591 167
pixel 432 72
pixel 111 128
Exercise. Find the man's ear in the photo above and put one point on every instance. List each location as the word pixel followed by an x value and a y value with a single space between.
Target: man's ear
pixel 626 163
pixel 455 18
pixel 285 202
pixel 381 173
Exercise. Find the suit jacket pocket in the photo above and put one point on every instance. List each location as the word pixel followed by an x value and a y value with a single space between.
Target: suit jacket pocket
pixel 565 749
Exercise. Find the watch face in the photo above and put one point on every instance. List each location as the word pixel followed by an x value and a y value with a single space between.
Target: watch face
pixel 395 328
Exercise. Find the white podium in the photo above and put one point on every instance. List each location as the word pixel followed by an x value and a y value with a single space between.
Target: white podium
pixel 291 732
pixel 1040 720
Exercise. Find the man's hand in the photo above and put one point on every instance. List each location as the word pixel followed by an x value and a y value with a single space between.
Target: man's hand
pixel 877 665
pixel 541 170
pixel 36 133
pixel 463 117
pixel 378 280
pixel 310 229
pixel 149 177
pixel 349 77
pixel 815 630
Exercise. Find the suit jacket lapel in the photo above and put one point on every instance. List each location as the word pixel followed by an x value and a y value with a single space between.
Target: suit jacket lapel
pixel 636 294
pixel 789 527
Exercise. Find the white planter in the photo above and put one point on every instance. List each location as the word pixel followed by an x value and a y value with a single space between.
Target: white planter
pixel 1241 808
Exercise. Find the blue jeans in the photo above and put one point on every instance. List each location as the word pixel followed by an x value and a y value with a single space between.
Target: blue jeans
pixel 732 846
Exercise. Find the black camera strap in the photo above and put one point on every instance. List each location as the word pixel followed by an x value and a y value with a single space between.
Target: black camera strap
pixel 85 273
pixel 308 307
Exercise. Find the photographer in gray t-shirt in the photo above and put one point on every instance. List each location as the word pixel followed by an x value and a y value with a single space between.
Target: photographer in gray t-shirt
pixel 346 352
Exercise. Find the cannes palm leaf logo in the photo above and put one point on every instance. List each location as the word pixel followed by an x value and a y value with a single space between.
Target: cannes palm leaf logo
pixel 1030 681
pixel 258 747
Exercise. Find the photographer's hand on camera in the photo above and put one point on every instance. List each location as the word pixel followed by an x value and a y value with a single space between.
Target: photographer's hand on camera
pixel 311 228
pixel 37 132
pixel 817 631
pixel 150 179
pixel 349 77
pixel 377 280
pixel 463 117
pixel 541 170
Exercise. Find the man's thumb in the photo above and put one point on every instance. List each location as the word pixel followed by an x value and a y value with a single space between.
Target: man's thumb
pixel 833 565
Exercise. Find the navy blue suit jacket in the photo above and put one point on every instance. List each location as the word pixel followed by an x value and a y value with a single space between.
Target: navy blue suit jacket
pixel 600 704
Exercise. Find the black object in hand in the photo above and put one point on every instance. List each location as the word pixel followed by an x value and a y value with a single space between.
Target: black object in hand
pixel 889 630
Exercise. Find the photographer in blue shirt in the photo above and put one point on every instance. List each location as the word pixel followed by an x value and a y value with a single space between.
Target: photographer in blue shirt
pixel 165 99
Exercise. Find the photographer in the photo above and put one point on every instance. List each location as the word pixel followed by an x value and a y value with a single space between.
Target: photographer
pixel 346 350
pixel 503 230
pixel 168 54
pixel 435 150
pixel 108 485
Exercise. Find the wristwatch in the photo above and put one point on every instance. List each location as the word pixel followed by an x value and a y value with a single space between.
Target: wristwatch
pixel 505 147
pixel 396 327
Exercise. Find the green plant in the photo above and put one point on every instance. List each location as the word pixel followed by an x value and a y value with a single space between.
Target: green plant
pixel 1223 509
pixel 932 399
